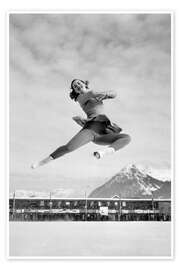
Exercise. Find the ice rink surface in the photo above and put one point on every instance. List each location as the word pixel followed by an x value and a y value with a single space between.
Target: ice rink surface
pixel 95 239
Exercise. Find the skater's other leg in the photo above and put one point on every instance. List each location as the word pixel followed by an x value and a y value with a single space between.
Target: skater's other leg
pixel 114 141
pixel 122 141
pixel 81 138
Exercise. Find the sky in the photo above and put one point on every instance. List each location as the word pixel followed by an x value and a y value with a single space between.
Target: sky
pixel 127 53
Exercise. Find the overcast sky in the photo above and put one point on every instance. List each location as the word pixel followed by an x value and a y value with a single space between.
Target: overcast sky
pixel 127 53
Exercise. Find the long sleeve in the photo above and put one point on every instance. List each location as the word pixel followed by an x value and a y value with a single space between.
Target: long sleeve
pixel 104 95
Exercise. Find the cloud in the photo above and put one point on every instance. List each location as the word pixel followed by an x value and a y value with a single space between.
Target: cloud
pixel 72 41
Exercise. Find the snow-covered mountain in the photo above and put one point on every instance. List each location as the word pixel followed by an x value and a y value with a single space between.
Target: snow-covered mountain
pixel 134 182
pixel 58 193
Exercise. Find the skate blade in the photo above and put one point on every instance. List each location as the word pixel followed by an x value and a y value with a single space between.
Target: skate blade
pixel 97 155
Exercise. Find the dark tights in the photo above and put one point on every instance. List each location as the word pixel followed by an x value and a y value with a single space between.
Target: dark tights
pixel 115 140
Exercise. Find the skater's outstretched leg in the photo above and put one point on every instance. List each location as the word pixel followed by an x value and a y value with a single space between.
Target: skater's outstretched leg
pixel 83 137
pixel 115 141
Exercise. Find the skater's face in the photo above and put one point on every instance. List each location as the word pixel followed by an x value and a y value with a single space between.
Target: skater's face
pixel 79 86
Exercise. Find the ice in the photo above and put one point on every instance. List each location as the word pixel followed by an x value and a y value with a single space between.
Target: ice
pixel 94 239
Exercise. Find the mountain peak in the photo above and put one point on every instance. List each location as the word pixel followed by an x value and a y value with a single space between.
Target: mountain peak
pixel 132 171
pixel 160 174
pixel 129 167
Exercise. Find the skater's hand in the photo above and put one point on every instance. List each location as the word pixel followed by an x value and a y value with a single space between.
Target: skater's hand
pixel 79 120
pixel 111 94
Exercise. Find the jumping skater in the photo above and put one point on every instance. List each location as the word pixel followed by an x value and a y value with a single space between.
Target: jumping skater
pixel 96 128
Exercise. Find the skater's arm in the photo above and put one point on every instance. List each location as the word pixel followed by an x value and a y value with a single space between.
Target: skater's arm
pixel 104 95
pixel 79 120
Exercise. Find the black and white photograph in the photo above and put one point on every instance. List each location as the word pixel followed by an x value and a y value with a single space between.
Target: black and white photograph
pixel 90 135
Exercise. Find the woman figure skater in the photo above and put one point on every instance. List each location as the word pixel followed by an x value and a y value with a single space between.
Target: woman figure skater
pixel 96 128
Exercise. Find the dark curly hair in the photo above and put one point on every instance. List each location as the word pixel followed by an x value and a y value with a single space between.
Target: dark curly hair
pixel 73 94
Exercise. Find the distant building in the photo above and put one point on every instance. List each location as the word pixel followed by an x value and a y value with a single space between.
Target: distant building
pixel 89 209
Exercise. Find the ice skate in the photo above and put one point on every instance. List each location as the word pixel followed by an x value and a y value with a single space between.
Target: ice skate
pixel 41 163
pixel 101 153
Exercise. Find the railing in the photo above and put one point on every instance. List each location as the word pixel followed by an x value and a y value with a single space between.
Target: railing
pixel 87 215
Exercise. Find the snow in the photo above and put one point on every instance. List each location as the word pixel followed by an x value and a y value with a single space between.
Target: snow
pixel 163 174
pixel 58 193
pixel 146 189
pixel 90 239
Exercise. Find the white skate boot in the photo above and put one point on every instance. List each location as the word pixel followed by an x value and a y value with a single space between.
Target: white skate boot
pixel 101 153
pixel 41 163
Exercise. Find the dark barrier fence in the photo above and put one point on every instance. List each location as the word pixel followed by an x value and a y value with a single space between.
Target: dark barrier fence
pixel 40 209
